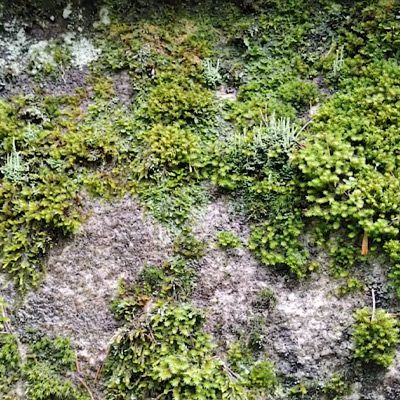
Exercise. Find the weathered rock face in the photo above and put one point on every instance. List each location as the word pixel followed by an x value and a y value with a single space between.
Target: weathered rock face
pixel 307 333
pixel 82 277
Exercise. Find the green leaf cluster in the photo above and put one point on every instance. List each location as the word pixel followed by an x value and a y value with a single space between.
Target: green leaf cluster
pixel 60 146
pixel 375 337
pixel 50 363
pixel 172 147
pixel 9 357
pixel 350 168
pixel 336 388
pixel 228 239
pixel 277 244
pixel 165 353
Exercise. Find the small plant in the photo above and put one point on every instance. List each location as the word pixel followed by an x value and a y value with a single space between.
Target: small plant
pixel 298 392
pixel 211 73
pixel 43 382
pixel 352 285
pixel 179 101
pixel 258 376
pixel 375 337
pixel 9 355
pixel 276 132
pixel 228 239
pixel 299 93
pixel 50 362
pixel 173 203
pixel 165 352
pixel 263 375
pixel 256 334
pixel 339 61
pixel 14 169
pixel 172 147
pixel 335 388
pixel 265 300
pixel 277 244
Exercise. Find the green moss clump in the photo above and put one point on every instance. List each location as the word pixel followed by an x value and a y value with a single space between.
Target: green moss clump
pixel 165 353
pixel 49 367
pixel 228 239
pixel 278 245
pixel 375 339
pixel 10 362
pixel 179 101
pixel 172 147
pixel 336 388
pixel 52 149
pixel 43 382
pixel 349 168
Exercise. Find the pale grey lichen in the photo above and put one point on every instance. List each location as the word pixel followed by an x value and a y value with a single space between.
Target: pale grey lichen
pixel 41 57
pixel 83 52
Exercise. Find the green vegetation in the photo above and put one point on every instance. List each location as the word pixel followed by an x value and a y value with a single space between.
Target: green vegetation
pixel 47 370
pixel 50 156
pixel 162 349
pixel 349 166
pixel 166 353
pixel 306 149
pixel 282 167
pixel 336 388
pixel 375 337
pixel 49 362
pixel 280 247
pixel 228 239
pixel 9 357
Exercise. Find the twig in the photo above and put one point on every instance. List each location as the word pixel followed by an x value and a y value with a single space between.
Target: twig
pixel 86 387
pixel 81 380
pixel 364 245
pixel 263 118
pixel 373 304
pixel 161 394
pixel 330 50
pixel 230 372
pixel 78 368
pixel 98 372
pixel 153 339
pixel 305 126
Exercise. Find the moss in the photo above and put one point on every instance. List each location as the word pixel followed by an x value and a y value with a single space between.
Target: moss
pixel 10 362
pixel 339 172
pixel 227 239
pixel 375 338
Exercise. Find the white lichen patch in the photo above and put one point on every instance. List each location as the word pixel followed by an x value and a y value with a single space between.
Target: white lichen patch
pixel 83 274
pixel 83 52
pixel 13 48
pixel 67 11
pixel 104 16
pixel 40 57
pixel 24 54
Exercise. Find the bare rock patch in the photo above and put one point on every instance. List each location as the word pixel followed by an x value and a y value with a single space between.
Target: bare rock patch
pixel 82 277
